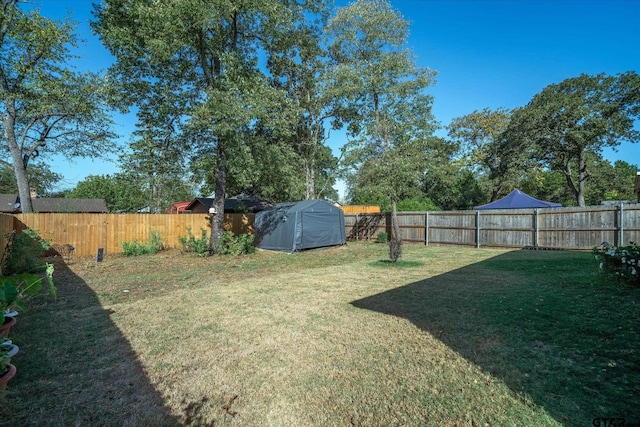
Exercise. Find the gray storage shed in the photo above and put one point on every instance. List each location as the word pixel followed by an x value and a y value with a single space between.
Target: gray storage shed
pixel 296 226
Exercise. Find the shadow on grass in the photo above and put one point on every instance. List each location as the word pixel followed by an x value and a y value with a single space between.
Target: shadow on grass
pixel 75 367
pixel 540 323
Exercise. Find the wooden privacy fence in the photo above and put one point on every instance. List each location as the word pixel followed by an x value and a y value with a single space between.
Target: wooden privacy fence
pixel 88 232
pixel 553 228
pixel 556 228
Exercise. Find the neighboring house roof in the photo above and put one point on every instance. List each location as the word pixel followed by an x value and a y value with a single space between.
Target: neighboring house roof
pixel 518 200
pixel 178 207
pixel 10 203
pixel 53 204
pixel 232 204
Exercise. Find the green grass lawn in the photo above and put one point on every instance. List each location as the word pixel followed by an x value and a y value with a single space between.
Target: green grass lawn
pixel 336 337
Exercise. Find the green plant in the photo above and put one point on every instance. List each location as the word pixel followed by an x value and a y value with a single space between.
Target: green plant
pixel 191 244
pixel 383 237
pixel 16 289
pixel 620 262
pixel 135 248
pixel 230 244
pixel 23 252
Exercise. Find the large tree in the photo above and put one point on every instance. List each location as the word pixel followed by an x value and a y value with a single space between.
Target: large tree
pixel 45 107
pixel 157 160
pixel 208 53
pixel 302 69
pixel 567 122
pixel 384 104
pixel 480 135
pixel 120 192
pixel 39 175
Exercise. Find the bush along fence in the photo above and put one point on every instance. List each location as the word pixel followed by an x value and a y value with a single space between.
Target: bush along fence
pixel 86 233
pixel 553 228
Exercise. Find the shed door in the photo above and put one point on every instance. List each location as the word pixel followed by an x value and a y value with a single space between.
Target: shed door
pixel 320 229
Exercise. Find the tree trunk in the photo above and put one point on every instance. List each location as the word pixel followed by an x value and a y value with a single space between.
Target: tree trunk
pixel 582 176
pixel 217 218
pixel 310 179
pixel 395 242
pixel 19 164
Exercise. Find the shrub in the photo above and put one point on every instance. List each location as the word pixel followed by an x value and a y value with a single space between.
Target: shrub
pixel 383 237
pixel 191 244
pixel 153 246
pixel 621 262
pixel 23 253
pixel 230 244
pixel 16 289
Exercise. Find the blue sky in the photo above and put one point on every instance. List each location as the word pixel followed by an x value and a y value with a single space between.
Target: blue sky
pixel 497 53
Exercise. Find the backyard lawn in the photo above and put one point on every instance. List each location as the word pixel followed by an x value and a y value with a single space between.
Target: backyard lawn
pixel 334 337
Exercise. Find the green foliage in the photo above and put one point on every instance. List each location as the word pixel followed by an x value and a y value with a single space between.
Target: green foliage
pixel 190 244
pixel 619 262
pixel 119 191
pixel 416 204
pixel 452 187
pixel 16 289
pixel 382 98
pixel 230 244
pixel 23 253
pixel 201 59
pixel 47 108
pixel 383 237
pixel 480 136
pixel 135 248
pixel 566 123
pixel 39 175
pixel 158 156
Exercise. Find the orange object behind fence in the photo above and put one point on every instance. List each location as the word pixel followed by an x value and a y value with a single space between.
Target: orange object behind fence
pixel 359 209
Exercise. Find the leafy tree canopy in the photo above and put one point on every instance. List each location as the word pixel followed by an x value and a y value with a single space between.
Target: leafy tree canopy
pixel 120 193
pixel 45 107
pixel 568 122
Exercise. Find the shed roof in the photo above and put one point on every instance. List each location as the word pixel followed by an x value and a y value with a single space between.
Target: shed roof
pixel 231 204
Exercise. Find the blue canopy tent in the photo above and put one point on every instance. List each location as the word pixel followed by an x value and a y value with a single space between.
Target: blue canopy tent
pixel 518 200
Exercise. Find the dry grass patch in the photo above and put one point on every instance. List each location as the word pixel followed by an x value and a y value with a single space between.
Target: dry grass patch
pixel 329 337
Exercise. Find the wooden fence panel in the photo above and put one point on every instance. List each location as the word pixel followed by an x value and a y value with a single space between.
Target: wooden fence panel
pixel 6 227
pixel 452 227
pixel 557 228
pixel 631 224
pixel 507 228
pixel 88 232
pixel 365 227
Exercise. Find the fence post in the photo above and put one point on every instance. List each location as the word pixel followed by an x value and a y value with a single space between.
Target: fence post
pixel 477 229
pixel 357 220
pixel 536 229
pixel 426 229
pixel 621 224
